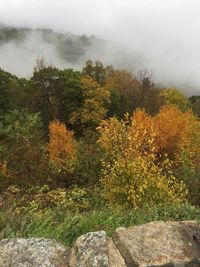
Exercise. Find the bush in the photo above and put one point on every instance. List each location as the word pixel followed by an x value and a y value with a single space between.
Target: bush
pixel 133 173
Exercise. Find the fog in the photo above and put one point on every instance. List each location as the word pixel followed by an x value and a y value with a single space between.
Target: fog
pixel 160 36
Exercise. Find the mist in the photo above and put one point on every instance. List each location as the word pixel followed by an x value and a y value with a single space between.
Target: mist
pixel 160 36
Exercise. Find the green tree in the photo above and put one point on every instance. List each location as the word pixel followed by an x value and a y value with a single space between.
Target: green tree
pixel 69 97
pixel 195 104
pixel 5 79
pixel 20 123
pixel 21 146
pixel 21 95
pixel 45 80
pixel 175 97
pixel 97 71
pixel 57 92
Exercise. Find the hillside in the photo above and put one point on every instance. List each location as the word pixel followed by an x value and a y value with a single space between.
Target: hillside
pixel 61 49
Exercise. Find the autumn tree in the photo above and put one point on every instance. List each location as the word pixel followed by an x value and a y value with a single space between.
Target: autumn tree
pixel 173 96
pixel 61 146
pixel 93 108
pixel 131 173
pixel 171 128
pixel 123 88
pixel 129 92
pixel 188 160
pixel 62 153
pixel 148 95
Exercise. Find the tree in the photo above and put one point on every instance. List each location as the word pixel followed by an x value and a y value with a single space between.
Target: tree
pixel 97 71
pixel 61 146
pixel 21 95
pixel 45 81
pixel 93 109
pixel 129 92
pixel 70 96
pixel 172 96
pixel 5 79
pixel 20 124
pixel 62 153
pixel 21 147
pixel 57 92
pixel 123 88
pixel 195 104
pixel 148 96
pixel 171 128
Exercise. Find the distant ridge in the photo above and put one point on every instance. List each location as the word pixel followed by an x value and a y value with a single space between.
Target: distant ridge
pixel 69 47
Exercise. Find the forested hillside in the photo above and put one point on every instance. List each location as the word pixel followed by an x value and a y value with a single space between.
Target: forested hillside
pixel 70 47
pixel 61 49
pixel 93 149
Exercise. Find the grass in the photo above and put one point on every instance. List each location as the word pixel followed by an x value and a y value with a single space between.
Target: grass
pixel 66 226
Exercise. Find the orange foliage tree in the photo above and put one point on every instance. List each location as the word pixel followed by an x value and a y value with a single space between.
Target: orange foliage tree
pixel 61 146
pixel 171 127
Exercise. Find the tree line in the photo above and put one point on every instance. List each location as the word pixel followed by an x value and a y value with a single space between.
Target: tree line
pixel 100 125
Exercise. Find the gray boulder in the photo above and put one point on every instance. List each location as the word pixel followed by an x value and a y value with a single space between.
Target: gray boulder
pixel 169 244
pixel 160 244
pixel 91 250
pixel 33 252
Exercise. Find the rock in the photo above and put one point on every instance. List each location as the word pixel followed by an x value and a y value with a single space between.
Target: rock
pixel 91 250
pixel 160 244
pixel 33 252
pixel 114 256
pixel 72 260
pixel 169 244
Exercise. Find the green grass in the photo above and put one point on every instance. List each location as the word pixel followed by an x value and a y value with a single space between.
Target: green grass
pixel 66 226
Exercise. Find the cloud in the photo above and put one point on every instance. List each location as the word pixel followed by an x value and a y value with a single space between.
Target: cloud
pixel 162 36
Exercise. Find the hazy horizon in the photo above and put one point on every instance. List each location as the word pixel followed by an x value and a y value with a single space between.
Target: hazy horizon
pixel 162 37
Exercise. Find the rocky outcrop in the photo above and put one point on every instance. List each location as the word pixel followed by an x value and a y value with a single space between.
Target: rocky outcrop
pixel 160 244
pixel 33 252
pixel 114 256
pixel 91 250
pixel 169 244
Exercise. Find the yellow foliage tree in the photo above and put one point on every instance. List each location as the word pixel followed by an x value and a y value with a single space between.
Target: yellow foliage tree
pixel 93 109
pixel 172 96
pixel 132 173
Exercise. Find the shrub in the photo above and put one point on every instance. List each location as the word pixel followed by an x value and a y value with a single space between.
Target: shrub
pixel 132 174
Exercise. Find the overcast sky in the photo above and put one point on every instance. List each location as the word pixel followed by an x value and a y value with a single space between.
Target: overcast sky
pixel 165 33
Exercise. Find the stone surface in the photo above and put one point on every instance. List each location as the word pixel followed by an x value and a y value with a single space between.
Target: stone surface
pixel 91 250
pixel 72 260
pixel 160 244
pixel 114 256
pixel 33 252
pixel 169 244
